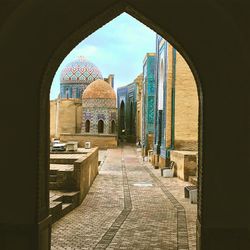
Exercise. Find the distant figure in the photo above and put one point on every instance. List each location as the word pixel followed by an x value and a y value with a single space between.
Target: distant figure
pixel 139 143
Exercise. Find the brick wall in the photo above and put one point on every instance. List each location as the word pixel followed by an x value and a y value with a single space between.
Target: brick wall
pixel 85 171
pixel 69 116
pixel 186 164
pixel 186 107
pixel 101 141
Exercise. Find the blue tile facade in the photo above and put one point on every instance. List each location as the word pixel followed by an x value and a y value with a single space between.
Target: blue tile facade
pixel 160 96
pixel 126 104
pixel 148 97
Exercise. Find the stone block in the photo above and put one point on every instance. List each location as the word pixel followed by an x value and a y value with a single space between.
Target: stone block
pixel 185 163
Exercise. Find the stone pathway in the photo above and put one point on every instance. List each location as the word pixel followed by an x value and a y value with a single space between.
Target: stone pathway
pixel 129 206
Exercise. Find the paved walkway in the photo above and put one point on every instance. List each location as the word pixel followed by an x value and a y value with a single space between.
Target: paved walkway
pixel 129 206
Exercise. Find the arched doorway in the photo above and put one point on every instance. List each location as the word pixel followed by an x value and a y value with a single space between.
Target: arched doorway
pixel 131 108
pixel 87 126
pixel 100 126
pixel 122 117
pixel 113 127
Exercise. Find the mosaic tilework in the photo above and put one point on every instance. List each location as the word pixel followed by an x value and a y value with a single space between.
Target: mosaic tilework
pixel 80 71
pixel 99 109
pixel 74 90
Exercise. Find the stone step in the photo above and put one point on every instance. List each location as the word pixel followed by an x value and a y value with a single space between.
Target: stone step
pixel 52 178
pixel 70 197
pixel 55 208
pixel 62 202
pixel 66 208
pixel 53 171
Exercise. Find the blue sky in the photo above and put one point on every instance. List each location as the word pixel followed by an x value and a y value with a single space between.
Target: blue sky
pixel 117 48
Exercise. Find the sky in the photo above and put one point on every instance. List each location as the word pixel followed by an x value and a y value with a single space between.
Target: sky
pixel 118 48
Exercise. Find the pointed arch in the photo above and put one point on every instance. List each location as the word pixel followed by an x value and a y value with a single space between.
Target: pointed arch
pixel 100 126
pixel 113 127
pixel 87 126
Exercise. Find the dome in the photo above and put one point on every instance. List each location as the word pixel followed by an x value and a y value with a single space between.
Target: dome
pixel 99 89
pixel 80 71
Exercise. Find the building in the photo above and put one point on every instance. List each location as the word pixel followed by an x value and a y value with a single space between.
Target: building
pixel 148 100
pixel 176 105
pixel 139 107
pixel 86 107
pixel 126 104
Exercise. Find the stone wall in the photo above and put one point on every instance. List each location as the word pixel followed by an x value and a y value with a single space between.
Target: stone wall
pixel 103 141
pixel 53 118
pixel 186 163
pixel 76 177
pixel 85 171
pixel 65 116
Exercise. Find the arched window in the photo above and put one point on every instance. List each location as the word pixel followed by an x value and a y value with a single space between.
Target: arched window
pixel 112 127
pixel 131 118
pixel 122 116
pixel 67 93
pixel 100 126
pixel 87 126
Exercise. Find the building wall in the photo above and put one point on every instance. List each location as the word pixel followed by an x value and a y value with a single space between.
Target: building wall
pixel 160 101
pixel 99 109
pixel 186 107
pixel 176 125
pixel 139 97
pixel 53 108
pixel 102 141
pixel 127 94
pixel 148 100
pixel 65 116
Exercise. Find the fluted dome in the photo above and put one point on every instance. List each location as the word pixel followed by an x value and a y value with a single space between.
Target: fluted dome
pixel 80 71
pixel 99 89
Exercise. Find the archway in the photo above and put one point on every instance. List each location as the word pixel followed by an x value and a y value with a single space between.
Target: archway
pixel 100 126
pixel 221 66
pixel 122 116
pixel 113 128
pixel 87 126
pixel 131 117
pixel 100 123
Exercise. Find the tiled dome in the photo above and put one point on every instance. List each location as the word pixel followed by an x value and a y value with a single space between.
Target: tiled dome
pixel 80 71
pixel 99 89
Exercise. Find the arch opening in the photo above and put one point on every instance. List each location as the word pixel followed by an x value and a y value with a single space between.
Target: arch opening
pixel 87 126
pixel 100 126
pixel 113 127
pixel 122 115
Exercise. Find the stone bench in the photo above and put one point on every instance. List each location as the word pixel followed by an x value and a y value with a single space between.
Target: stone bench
pixel 169 170
pixel 191 192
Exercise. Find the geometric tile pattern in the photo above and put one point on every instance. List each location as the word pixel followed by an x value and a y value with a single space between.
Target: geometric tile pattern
pixel 80 71
pixel 99 109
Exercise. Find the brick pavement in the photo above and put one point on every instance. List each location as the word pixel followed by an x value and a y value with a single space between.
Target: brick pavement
pixel 129 206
